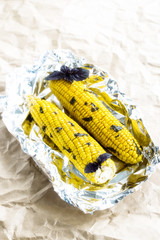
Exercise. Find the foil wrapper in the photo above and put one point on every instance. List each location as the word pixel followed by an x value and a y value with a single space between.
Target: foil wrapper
pixel 67 181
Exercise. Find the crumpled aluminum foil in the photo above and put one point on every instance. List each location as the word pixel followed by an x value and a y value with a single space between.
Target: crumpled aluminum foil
pixel 67 181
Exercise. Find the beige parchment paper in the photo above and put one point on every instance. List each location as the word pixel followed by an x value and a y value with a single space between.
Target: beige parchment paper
pixel 119 36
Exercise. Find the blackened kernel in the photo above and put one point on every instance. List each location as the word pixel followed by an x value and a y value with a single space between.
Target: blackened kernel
pixel 41 110
pixel 88 143
pixel 117 136
pixel 80 134
pixel 71 124
pixel 55 113
pixel 44 128
pixel 74 156
pixel 93 109
pixel 86 103
pixel 30 118
pixel 73 100
pixel 58 129
pixel 93 105
pixel 51 135
pixel 116 128
pixel 87 119
pixel 69 150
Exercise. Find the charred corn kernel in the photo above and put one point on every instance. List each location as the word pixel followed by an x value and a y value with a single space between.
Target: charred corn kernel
pixel 83 151
pixel 89 111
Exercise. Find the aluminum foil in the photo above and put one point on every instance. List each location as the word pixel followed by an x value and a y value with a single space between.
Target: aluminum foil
pixel 67 181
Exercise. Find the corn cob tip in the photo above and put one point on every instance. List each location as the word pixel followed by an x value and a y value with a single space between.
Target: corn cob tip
pixel 104 174
pixel 103 169
pixel 30 99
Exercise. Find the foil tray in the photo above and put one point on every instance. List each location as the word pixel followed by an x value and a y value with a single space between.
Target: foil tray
pixel 67 181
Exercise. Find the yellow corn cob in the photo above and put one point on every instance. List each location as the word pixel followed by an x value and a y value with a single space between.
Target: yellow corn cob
pixel 89 111
pixel 73 141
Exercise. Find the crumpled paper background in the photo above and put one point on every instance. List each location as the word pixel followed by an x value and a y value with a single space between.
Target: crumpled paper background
pixel 119 36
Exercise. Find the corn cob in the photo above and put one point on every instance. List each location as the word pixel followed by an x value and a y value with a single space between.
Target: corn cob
pixel 89 111
pixel 73 141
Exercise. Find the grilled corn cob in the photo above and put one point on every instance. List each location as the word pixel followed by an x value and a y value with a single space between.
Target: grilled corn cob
pixel 82 150
pixel 89 111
